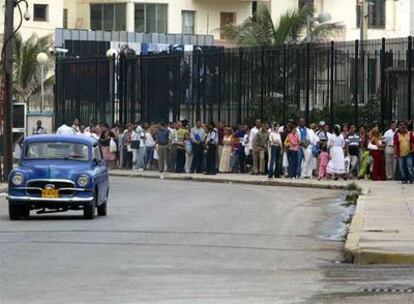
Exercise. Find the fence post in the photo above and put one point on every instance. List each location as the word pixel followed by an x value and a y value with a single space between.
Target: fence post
pixel 331 96
pixel 307 82
pixel 239 95
pixel 220 76
pixel 284 84
pixel 383 65
pixel 262 84
pixel 410 66
pixel 356 69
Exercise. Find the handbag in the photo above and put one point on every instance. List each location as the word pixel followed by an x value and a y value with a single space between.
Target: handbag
pixel 135 144
pixel 113 148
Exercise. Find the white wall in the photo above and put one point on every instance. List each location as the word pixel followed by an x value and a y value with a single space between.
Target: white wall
pixel 55 19
pixel 205 9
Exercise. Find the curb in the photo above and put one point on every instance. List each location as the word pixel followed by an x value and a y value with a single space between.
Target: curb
pixel 352 252
pixel 236 181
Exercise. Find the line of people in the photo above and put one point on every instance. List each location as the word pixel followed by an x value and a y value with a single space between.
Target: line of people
pixel 294 151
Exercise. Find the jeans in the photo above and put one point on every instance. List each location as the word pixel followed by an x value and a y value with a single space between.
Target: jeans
pixel 241 160
pixel 140 158
pixel 197 158
pixel 274 161
pixel 149 157
pixel 180 160
pixel 405 165
pixel 126 159
pixel 293 163
pixel 299 158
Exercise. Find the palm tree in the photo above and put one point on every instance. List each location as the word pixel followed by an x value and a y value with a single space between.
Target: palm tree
pixel 26 69
pixel 259 30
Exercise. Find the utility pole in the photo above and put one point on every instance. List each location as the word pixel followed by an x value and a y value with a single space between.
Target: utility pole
pixel 7 58
pixel 363 25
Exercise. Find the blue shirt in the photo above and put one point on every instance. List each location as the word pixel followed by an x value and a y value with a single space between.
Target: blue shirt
pixel 162 136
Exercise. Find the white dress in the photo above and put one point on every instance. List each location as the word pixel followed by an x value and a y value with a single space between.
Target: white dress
pixel 336 164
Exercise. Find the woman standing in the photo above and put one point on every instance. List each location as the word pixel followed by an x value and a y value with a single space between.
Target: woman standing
pixel 292 146
pixel 275 142
pixel 376 148
pixel 336 145
pixel 224 166
pixel 149 148
pixel 105 141
pixel 126 140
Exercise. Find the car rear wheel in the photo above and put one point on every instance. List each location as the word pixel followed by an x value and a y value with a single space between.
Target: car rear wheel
pixel 18 211
pixel 89 210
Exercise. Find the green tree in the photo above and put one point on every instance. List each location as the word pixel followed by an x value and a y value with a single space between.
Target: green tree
pixel 259 30
pixel 26 69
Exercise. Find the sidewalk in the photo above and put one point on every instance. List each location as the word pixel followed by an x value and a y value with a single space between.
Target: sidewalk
pixel 381 232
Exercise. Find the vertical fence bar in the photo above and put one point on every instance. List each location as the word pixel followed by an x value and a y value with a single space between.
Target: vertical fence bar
pixel 284 84
pixel 239 97
pixel 307 105
pixel 262 84
pixel 331 95
pixel 410 67
pixel 383 67
pixel 356 82
pixel 220 79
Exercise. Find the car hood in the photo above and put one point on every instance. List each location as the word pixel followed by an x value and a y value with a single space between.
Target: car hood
pixel 53 169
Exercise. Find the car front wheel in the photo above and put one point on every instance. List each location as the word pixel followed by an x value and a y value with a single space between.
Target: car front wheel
pixel 18 211
pixel 102 209
pixel 89 210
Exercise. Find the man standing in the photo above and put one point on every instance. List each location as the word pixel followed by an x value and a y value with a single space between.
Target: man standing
pixel 172 157
pixel 211 143
pixel 403 147
pixel 197 136
pixel 182 135
pixel 39 129
pixel 162 140
pixel 139 136
pixel 390 161
pixel 353 143
pixel 305 151
pixel 260 143
pixel 76 126
pixel 252 136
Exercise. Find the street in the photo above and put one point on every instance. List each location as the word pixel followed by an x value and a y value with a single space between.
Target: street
pixel 188 242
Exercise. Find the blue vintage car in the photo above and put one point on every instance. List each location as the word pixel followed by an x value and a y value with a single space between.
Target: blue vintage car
pixel 59 173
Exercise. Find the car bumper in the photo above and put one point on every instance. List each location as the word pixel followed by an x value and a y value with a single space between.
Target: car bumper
pixel 29 199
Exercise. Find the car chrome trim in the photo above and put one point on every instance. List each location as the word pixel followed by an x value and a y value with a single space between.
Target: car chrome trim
pixel 60 189
pixel 51 180
pixel 74 199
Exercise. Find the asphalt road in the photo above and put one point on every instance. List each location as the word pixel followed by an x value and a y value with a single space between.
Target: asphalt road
pixel 186 242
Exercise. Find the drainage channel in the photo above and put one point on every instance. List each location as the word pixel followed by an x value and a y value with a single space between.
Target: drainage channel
pixel 387 290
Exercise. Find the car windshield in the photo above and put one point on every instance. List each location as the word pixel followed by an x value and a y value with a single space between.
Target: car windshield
pixel 57 150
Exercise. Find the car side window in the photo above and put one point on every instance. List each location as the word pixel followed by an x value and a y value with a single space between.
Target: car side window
pixel 97 154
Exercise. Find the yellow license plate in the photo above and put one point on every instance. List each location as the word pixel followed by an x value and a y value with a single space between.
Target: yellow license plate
pixel 50 193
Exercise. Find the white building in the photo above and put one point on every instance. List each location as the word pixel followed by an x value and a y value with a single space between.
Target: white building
pixel 388 18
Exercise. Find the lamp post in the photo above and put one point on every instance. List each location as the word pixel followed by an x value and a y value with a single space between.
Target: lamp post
pixel 321 18
pixel 7 61
pixel 42 60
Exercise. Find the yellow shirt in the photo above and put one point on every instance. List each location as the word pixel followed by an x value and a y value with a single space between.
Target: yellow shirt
pixel 404 144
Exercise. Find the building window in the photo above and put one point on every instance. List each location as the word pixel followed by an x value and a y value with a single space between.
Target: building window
pixel 65 18
pixel 225 19
pixel 376 14
pixel 108 17
pixel 151 18
pixel 188 21
pixel 302 3
pixel 40 12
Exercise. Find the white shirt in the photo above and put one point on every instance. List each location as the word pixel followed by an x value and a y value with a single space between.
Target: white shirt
pixel 389 137
pixel 138 134
pixel 65 130
pixel 275 139
pixel 252 135
pixel 149 140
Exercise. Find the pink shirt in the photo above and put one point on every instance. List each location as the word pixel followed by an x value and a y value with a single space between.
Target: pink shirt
pixel 293 141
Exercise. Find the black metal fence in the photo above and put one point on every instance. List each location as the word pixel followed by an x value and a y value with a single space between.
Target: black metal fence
pixel 335 82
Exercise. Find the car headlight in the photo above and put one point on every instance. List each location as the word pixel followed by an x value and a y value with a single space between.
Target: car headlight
pixel 83 180
pixel 17 179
